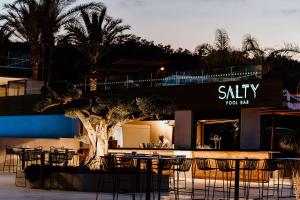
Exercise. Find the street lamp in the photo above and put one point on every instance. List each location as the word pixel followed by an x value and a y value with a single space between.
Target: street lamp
pixel 161 69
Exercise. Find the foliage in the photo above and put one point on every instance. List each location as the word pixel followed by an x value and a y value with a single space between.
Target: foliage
pixel 21 21
pixel 95 33
pixel 37 22
pixel 155 106
pixel 296 179
pixel 223 55
pixel 101 114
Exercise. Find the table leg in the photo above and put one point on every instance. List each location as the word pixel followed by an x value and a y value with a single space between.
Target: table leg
pixel 23 159
pixel 66 157
pixel 42 169
pixel 138 176
pixel 148 179
pixel 237 180
pixel 160 165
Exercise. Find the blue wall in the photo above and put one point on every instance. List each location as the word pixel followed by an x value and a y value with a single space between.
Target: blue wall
pixel 38 126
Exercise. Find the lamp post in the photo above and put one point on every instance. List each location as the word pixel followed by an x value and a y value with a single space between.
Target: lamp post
pixel 161 69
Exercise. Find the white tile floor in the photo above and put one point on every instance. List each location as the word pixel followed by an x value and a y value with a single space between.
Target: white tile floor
pixel 8 191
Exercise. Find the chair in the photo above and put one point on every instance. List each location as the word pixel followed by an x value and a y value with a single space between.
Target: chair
pixel 11 158
pixel 57 158
pixel 71 155
pixel 289 167
pixel 247 167
pixel 269 167
pixel 117 167
pixel 27 158
pixel 166 164
pixel 203 164
pixel 182 165
pixel 226 166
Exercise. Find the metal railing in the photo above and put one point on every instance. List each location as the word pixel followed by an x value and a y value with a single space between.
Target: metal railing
pixel 164 79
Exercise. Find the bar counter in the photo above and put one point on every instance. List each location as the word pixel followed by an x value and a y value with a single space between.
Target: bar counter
pixel 201 153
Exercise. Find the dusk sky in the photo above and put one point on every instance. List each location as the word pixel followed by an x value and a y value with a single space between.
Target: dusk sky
pixel 187 23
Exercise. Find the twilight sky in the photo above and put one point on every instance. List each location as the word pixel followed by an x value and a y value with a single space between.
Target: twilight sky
pixel 187 23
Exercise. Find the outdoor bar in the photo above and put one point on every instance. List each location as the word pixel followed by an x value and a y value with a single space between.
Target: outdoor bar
pixel 216 135
pixel 218 120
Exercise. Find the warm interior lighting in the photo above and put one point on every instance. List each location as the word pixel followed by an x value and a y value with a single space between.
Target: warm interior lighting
pixel 162 68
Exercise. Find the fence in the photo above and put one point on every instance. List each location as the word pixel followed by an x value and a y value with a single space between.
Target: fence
pixel 164 79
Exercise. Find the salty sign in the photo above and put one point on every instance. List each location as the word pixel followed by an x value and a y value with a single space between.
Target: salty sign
pixel 238 94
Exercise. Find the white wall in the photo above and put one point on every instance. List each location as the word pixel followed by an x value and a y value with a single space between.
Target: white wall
pixel 134 135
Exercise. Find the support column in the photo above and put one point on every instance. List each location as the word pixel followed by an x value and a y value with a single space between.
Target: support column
pixel 250 129
pixel 200 133
pixel 184 129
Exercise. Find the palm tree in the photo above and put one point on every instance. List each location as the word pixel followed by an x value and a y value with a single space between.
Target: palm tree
pixel 55 15
pixel 218 55
pixel 21 21
pixel 96 35
pixel 38 22
pixel 222 40
pixel 4 42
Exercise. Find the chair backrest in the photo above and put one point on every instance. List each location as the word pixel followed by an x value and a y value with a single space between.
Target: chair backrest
pixel 109 162
pixel 12 150
pixel 8 149
pixel 250 164
pixel 57 157
pixel 167 164
pixel 225 165
pixel 185 165
pixel 29 155
pixel 203 163
pixel 125 162
pixel 271 165
pixel 70 155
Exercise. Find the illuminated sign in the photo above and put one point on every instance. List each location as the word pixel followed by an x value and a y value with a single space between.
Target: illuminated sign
pixel 239 94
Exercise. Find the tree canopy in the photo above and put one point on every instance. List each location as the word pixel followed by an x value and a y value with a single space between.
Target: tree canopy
pixel 101 114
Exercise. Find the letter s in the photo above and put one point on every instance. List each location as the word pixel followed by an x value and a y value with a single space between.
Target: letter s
pixel 222 92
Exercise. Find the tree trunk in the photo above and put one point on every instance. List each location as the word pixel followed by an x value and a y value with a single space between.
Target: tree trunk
pixel 98 139
pixel 102 139
pixel 34 63
pixel 101 148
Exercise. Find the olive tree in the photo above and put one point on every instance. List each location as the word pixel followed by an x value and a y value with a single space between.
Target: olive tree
pixel 100 115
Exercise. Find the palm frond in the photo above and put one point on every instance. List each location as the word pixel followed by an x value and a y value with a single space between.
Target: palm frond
pixel 222 40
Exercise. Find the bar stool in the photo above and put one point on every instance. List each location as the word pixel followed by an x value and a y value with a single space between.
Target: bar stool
pixel 247 167
pixel 27 158
pixel 269 167
pixel 146 170
pixel 203 164
pixel 11 158
pixel 289 167
pixel 108 164
pixel 115 167
pixel 226 166
pixel 126 167
pixel 166 163
pixel 184 165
